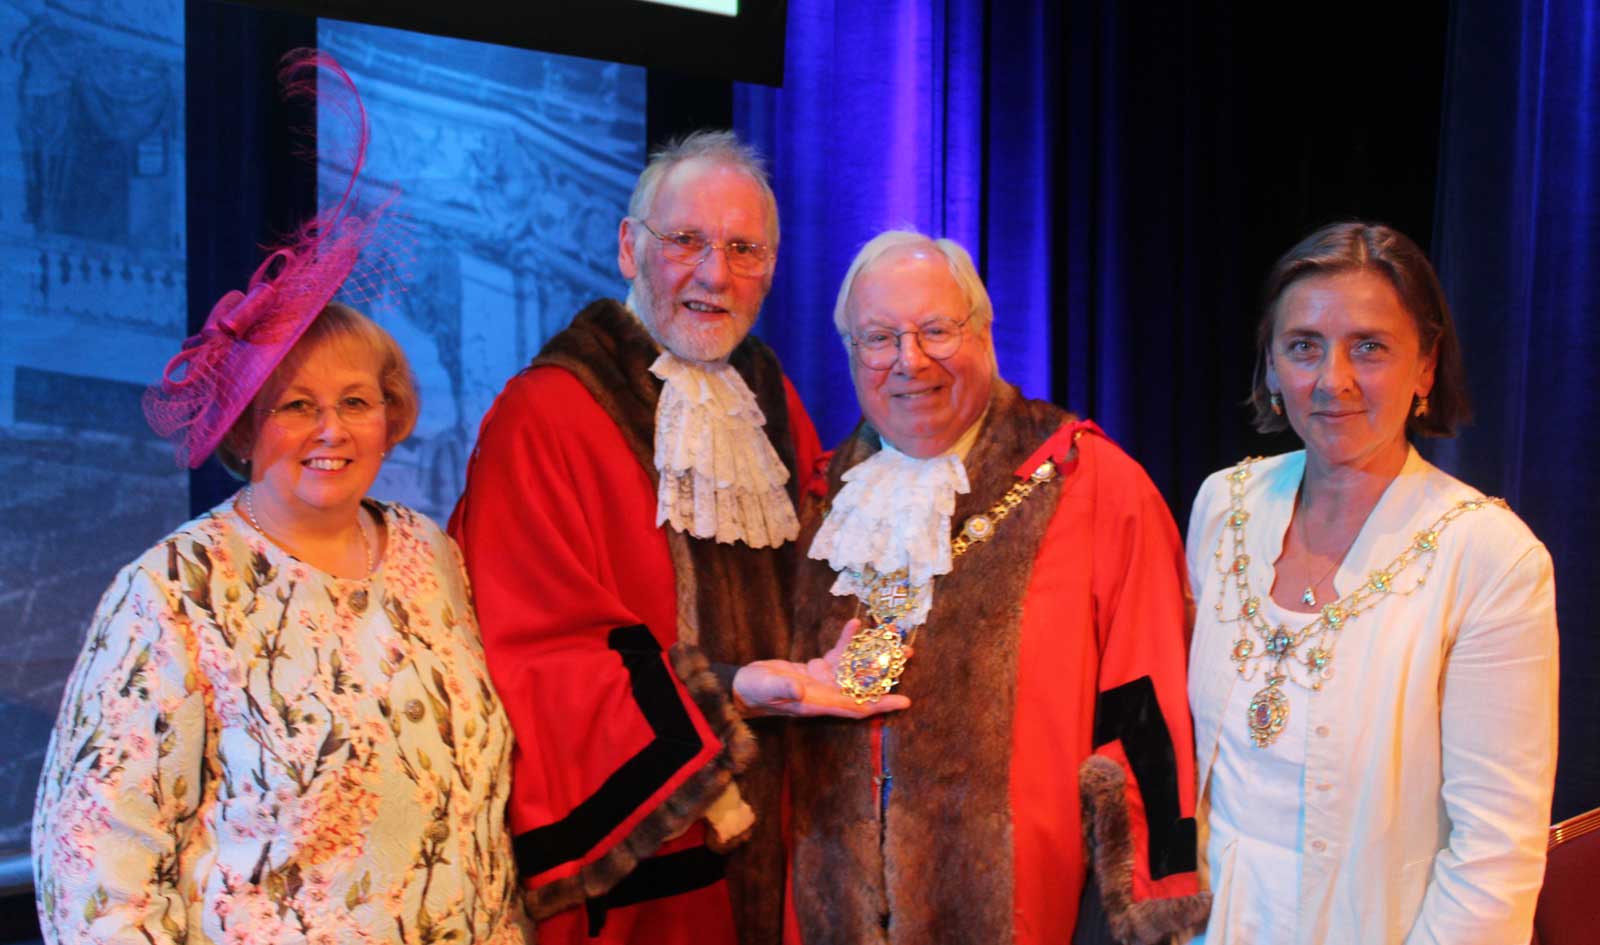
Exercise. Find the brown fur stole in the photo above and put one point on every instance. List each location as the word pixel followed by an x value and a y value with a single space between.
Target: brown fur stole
pixel 732 609
pixel 943 869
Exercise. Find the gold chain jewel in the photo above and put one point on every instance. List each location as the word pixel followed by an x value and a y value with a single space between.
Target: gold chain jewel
pixel 876 654
pixel 1269 708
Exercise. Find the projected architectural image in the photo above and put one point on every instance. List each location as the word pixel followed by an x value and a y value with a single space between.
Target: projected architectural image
pixel 514 169
pixel 92 303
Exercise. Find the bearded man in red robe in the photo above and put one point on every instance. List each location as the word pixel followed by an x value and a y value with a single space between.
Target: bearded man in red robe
pixel 628 525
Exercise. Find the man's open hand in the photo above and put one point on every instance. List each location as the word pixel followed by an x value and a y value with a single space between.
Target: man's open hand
pixel 779 687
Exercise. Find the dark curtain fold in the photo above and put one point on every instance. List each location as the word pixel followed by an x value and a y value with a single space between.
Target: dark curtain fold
pixel 1518 247
pixel 1197 143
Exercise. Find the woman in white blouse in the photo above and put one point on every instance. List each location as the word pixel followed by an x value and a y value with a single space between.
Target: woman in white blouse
pixel 1373 669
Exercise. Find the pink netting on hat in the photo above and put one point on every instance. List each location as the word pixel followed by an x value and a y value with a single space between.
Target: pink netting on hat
pixel 210 382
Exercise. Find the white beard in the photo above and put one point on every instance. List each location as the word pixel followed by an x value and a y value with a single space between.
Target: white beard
pixel 686 340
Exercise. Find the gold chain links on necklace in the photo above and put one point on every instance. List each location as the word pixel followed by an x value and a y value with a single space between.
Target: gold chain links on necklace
pixel 1308 651
pixel 876 654
pixel 979 527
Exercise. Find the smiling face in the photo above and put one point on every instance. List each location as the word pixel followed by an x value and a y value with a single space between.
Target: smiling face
pixel 921 406
pixel 1347 359
pixel 329 467
pixel 700 311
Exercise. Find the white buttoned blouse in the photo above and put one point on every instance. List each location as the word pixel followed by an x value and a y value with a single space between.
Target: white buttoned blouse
pixel 1256 828
pixel 1429 755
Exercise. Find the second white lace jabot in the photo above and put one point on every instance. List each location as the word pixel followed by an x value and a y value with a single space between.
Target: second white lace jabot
pixel 892 512
pixel 720 476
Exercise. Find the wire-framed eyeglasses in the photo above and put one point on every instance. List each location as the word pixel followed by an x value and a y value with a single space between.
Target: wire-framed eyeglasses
pixel 302 414
pixel 879 348
pixel 691 246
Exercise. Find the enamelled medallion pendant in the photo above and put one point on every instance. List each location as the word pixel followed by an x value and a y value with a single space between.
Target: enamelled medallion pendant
pixel 872 663
pixel 876 654
pixel 1268 711
pixel 1281 648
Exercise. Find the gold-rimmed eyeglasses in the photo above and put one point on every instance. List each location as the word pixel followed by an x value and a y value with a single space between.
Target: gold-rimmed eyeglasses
pixel 690 247
pixel 879 348
pixel 301 415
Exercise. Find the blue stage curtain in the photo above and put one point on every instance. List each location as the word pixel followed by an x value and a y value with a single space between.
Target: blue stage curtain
pixel 885 120
pixel 1517 243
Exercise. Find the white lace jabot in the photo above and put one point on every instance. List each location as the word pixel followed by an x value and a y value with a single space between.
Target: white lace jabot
pixel 893 512
pixel 720 476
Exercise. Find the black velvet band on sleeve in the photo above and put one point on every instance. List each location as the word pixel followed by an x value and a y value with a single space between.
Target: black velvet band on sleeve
pixel 1130 714
pixel 674 745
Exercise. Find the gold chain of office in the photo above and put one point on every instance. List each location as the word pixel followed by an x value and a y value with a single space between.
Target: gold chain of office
pixel 877 653
pixel 1282 651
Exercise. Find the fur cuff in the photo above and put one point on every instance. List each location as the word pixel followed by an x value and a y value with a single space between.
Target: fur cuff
pixel 680 810
pixel 1102 784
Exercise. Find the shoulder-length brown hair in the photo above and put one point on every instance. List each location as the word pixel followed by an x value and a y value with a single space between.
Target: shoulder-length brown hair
pixel 1372 247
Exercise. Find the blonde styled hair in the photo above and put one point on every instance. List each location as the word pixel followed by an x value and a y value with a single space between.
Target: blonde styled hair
pixel 341 325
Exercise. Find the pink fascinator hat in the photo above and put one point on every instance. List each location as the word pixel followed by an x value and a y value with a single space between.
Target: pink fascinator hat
pixel 210 382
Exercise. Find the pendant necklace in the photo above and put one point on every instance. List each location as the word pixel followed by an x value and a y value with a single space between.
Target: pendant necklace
pixel 876 655
pixel 1309 595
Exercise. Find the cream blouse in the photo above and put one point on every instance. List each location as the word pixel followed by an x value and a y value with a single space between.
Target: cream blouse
pixel 1431 753
pixel 251 750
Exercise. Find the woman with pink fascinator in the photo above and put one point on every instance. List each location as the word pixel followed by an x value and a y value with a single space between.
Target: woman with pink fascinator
pixel 281 728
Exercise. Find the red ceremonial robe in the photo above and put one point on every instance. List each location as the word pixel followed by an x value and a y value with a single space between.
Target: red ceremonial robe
pixel 581 596
pixel 1062 638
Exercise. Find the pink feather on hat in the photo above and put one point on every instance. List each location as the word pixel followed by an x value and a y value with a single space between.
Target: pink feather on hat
pixel 210 382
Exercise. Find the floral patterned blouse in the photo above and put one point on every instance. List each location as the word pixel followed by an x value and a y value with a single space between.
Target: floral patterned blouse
pixel 252 750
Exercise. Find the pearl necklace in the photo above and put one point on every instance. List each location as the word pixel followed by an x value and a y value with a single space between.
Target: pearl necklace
pixel 361 523
pixel 1306 655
